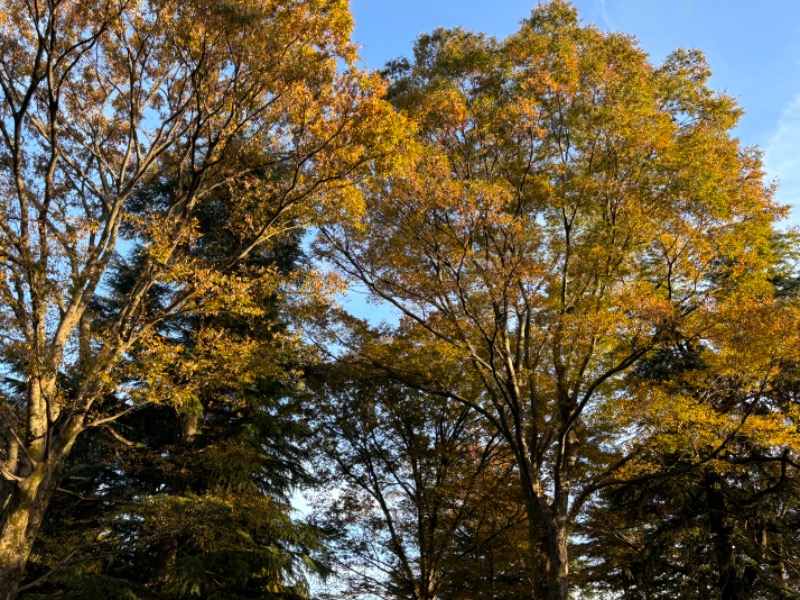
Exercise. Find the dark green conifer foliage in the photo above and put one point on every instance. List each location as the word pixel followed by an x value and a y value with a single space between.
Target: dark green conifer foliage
pixel 193 501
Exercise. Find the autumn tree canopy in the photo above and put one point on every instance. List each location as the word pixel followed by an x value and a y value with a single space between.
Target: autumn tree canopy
pixel 571 210
pixel 102 101
pixel 592 383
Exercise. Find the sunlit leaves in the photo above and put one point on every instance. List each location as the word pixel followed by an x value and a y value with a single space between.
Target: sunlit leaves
pixel 572 212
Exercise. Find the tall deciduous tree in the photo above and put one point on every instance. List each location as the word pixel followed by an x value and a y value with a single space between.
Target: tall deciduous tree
pixel 571 209
pixel 99 99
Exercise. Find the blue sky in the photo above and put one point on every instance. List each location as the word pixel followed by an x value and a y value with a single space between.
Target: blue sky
pixel 753 49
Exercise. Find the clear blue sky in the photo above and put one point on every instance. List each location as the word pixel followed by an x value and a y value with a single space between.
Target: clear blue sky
pixel 753 49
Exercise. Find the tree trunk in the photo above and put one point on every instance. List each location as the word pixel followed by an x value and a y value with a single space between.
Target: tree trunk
pixel 537 565
pixel 549 532
pixel 733 584
pixel 549 527
pixel 558 577
pixel 177 484
pixel 23 515
pixel 15 547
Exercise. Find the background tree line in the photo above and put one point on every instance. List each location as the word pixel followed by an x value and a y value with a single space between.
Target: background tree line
pixel 590 387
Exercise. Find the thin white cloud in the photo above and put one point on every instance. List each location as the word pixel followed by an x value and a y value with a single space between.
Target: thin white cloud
pixel 782 156
pixel 604 14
